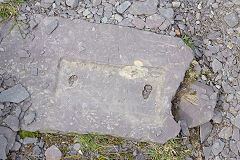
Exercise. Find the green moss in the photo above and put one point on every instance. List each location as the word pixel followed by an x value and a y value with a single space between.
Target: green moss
pixel 24 134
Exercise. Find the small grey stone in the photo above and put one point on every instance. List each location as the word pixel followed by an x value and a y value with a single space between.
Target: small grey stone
pixel 147 7
pixel 23 53
pixel 118 17
pixel 184 128
pixel 34 71
pixel 72 3
pixel 217 147
pixel 36 150
pixel 86 12
pixel 16 146
pixel 233 147
pixel 225 133
pixel 205 130
pixel 166 13
pixel 96 2
pixel 123 7
pixel 50 27
pixel 29 118
pixel 48 1
pixel 165 25
pixel 206 152
pixel 1 106
pixel 231 19
pixel 176 4
pixel 216 65
pixel 76 146
pixel 213 48
pixel 3 146
pixel 139 23
pixel 18 111
pixel 154 21
pixel 29 140
pixel 53 153
pixel 126 22
pixel 12 122
pixel 104 20
pixel 236 121
pixel 2 49
pixel 217 117
pixel 15 94
pixel 41 144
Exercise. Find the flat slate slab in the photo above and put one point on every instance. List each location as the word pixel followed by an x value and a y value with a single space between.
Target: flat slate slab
pixel 99 78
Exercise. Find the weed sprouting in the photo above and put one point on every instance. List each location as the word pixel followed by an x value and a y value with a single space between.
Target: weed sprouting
pixel 187 40
pixel 10 11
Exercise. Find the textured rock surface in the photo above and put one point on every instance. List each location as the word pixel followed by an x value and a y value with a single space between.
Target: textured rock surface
pixel 3 145
pixel 94 76
pixel 9 135
pixel 147 7
pixel 197 107
pixel 14 94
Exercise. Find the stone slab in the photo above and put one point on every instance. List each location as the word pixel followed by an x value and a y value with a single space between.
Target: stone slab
pixel 99 78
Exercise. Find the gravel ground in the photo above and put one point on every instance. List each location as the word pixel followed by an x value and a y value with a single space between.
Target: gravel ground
pixel 212 26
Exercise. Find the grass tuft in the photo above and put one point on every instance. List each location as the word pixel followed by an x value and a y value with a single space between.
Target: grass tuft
pixel 10 11
pixel 187 40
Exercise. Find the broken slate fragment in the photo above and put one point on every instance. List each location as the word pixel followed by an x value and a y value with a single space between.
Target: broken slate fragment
pixel 15 94
pixel 205 130
pixel 12 122
pixel 231 19
pixel 9 135
pixel 225 133
pixel 123 7
pixel 29 140
pixel 72 3
pixel 50 27
pixel 154 21
pixel 147 7
pixel 29 118
pixel 195 109
pixel 3 145
pixel 53 153
pixel 217 147
pixel 23 53
pixel 236 121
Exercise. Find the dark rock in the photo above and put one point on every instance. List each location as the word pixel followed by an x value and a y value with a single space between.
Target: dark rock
pixel 217 147
pixel 217 117
pixel 9 135
pixel 167 13
pixel 12 122
pixel 36 150
pixel 16 146
pixel 29 140
pixel 231 19
pixel 53 153
pixel 154 21
pixel 123 6
pixel 184 128
pixel 233 147
pixel 29 118
pixel 15 94
pixel 72 3
pixel 206 152
pixel 205 130
pixel 225 133
pixel 3 146
pixel 147 7
pixel 195 109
